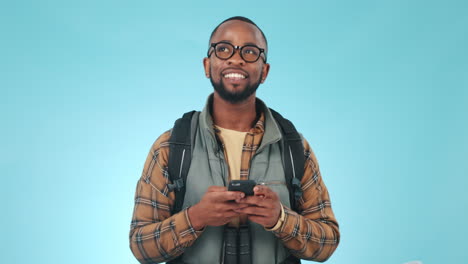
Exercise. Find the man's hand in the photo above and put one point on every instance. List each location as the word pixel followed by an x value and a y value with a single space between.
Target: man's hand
pixel 264 207
pixel 217 207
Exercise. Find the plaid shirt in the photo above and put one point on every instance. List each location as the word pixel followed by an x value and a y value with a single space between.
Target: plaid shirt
pixel 158 236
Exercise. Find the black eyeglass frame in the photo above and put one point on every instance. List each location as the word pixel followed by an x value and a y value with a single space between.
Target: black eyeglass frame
pixel 213 45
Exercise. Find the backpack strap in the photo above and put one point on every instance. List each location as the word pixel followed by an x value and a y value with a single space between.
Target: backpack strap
pixel 180 156
pixel 293 158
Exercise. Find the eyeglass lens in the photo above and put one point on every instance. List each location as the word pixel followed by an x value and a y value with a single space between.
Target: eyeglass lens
pixel 248 53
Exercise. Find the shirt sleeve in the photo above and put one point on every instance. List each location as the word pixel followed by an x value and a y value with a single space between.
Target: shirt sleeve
pixel 312 233
pixel 156 235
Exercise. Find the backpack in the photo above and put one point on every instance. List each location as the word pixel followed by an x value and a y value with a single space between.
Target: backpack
pixel 180 156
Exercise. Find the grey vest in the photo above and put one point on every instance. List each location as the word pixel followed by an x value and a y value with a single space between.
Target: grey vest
pixel 208 167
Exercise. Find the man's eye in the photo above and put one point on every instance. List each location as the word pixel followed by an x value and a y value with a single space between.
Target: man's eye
pixel 222 49
pixel 250 51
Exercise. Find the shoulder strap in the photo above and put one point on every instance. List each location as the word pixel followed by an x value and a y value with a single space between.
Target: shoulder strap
pixel 180 156
pixel 293 158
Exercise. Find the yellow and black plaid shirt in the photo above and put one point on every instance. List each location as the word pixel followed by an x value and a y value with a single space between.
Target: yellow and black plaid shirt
pixel 158 236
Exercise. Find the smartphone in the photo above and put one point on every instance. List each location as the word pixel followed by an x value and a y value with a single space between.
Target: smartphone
pixel 245 186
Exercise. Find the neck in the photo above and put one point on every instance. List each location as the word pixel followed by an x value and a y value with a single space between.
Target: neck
pixel 238 116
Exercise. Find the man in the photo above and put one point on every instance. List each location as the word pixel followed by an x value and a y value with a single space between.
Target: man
pixel 237 138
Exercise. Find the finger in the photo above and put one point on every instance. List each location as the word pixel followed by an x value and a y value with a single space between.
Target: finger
pixel 227 206
pixel 225 196
pixel 240 206
pixel 221 214
pixel 260 190
pixel 257 201
pixel 230 214
pixel 253 210
pixel 215 188
pixel 232 195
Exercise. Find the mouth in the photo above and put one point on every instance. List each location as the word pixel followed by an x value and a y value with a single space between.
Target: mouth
pixel 234 75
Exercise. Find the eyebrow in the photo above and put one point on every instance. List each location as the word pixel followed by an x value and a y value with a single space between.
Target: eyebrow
pixel 245 43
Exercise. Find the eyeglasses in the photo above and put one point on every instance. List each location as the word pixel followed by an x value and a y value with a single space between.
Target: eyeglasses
pixel 225 50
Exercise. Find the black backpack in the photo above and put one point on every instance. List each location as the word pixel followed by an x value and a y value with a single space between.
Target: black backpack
pixel 180 156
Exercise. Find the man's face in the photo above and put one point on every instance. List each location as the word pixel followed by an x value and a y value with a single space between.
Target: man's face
pixel 234 79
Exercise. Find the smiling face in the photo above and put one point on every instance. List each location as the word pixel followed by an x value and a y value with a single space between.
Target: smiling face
pixel 234 79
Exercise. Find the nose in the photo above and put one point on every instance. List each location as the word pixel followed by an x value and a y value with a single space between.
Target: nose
pixel 236 58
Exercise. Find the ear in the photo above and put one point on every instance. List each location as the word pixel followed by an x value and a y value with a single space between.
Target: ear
pixel 265 70
pixel 206 65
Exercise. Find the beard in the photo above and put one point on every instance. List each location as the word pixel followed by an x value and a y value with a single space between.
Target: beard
pixel 234 97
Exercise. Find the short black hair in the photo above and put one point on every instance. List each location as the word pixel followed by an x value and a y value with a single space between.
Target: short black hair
pixel 240 18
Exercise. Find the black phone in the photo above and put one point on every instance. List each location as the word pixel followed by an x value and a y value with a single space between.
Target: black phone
pixel 245 186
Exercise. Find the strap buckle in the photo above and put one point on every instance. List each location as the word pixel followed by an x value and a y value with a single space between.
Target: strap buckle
pixel 296 183
pixel 178 184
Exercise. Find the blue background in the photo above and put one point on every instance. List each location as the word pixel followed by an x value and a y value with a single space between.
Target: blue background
pixel 379 88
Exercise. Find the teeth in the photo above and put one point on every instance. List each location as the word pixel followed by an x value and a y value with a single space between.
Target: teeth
pixel 234 75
